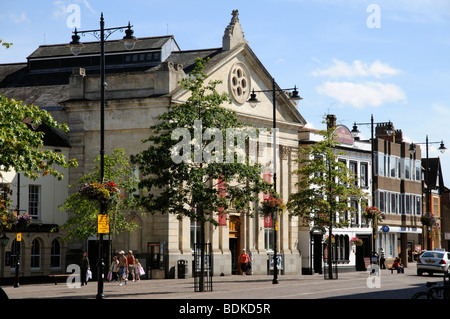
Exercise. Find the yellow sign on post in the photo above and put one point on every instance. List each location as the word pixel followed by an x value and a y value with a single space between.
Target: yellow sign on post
pixel 19 237
pixel 103 224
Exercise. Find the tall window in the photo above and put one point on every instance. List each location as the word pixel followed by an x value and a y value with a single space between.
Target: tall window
pixel 355 213
pixel 35 254
pixel 195 233
pixel 393 166
pixel 353 166
pixel 34 196
pixel 14 251
pixel 364 176
pixel 268 238
pixel 55 254
pixel 418 169
pixel 407 168
pixel 381 164
pixel 418 205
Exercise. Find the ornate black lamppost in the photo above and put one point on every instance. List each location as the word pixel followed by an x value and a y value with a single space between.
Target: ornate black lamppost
pixel 75 46
pixel 253 100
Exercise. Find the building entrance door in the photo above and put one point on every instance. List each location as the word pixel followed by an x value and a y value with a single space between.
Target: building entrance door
pixel 234 243
pixel 362 252
pixel 317 253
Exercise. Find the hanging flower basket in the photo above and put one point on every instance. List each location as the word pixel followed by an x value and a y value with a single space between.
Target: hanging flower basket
pixel 271 205
pixel 428 219
pixel 356 241
pixel 7 220
pixel 374 214
pixel 326 241
pixel 101 192
pixel 23 220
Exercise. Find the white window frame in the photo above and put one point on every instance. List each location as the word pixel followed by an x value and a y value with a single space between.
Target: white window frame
pixel 34 201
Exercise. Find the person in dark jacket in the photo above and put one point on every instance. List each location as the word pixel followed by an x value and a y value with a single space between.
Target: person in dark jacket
pixel 84 266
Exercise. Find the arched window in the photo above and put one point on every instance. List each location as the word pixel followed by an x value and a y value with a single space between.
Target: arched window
pixel 16 246
pixel 347 247
pixel 55 254
pixel 35 254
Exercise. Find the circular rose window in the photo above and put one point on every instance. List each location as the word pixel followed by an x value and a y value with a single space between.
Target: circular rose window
pixel 239 82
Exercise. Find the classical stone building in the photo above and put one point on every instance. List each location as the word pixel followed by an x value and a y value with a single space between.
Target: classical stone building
pixel 143 83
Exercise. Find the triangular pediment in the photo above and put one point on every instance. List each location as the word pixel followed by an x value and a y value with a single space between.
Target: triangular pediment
pixel 241 73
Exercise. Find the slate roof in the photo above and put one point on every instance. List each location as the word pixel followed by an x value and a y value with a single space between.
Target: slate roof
pixel 187 58
pixel 112 46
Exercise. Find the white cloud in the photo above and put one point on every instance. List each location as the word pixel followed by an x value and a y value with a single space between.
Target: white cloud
pixel 18 18
pixel 357 69
pixel 364 94
pixel 442 110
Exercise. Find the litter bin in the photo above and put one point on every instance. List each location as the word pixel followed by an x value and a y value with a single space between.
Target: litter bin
pixel 181 268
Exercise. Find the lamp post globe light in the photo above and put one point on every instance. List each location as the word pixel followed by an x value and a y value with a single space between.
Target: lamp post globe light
pixel 76 46
pixel 253 101
pixel 412 150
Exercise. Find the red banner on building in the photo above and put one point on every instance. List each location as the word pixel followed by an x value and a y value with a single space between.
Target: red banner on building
pixel 267 219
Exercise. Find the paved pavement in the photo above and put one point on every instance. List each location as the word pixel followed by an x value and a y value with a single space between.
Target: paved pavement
pixel 254 289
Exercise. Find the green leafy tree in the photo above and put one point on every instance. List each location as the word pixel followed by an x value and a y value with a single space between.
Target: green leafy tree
pixel 192 187
pixel 326 186
pixel 5 44
pixel 21 146
pixel 83 212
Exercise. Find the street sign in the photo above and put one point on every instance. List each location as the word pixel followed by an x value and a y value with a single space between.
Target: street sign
pixel 103 224
pixel 19 237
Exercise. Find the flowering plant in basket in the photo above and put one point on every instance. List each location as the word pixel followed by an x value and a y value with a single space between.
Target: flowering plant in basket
pixel 374 214
pixel 24 220
pixel 271 204
pixel 356 241
pixel 99 191
pixel 428 219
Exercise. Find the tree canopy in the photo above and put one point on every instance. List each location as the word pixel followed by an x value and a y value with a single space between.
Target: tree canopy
pixel 22 146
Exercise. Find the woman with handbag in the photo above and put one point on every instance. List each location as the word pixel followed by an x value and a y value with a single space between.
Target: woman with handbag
pixel 114 270
pixel 84 267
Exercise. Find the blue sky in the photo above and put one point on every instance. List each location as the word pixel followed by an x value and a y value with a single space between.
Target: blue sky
pixel 351 58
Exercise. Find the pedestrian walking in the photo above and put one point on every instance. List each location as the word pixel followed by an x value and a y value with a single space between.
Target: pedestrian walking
pixel 243 260
pixel 114 269
pixel 382 259
pixel 84 267
pixel 123 269
pixel 138 269
pixel 131 263
pixel 250 263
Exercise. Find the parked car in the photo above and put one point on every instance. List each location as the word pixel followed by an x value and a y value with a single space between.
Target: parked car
pixel 433 261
